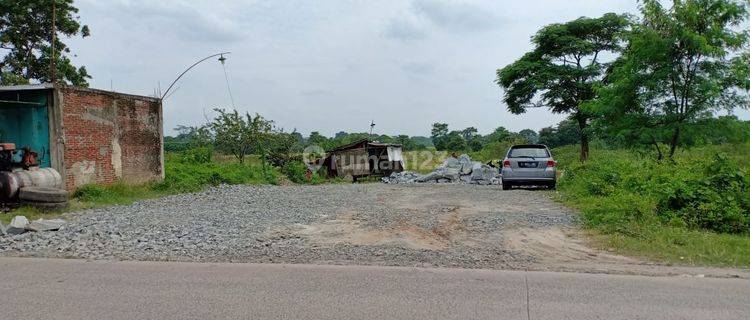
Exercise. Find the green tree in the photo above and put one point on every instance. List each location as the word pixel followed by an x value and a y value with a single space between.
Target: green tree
pixel 317 139
pixel 439 129
pixel 563 69
pixel 530 136
pixel 188 137
pixel 421 143
pixel 499 135
pixel 682 64
pixel 340 134
pixel 439 135
pixel 240 135
pixel 469 133
pixel 282 148
pixel 406 143
pixel 297 137
pixel 473 140
pixel 453 141
pixel 26 38
pixel 565 133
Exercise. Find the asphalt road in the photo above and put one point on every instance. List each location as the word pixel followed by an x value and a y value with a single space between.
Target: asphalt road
pixel 76 289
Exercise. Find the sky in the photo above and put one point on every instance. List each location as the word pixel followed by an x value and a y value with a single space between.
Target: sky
pixel 326 65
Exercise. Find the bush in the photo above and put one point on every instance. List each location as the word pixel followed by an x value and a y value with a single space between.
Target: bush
pixel 297 173
pixel 713 200
pixel 89 192
pixel 189 177
pixel 703 189
pixel 196 156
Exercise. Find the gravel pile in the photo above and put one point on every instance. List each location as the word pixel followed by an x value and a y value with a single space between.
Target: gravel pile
pixel 377 224
pixel 453 170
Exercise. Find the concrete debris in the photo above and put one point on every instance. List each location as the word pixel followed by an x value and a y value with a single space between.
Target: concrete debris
pixel 17 225
pixel 20 224
pixel 453 170
pixel 45 225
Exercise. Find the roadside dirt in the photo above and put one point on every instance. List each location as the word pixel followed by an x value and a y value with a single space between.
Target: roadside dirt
pixel 551 239
pixel 557 246
pixel 346 228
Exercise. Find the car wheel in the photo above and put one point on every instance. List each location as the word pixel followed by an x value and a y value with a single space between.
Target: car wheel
pixel 552 185
pixel 507 186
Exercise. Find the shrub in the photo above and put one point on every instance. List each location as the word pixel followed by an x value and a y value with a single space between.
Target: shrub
pixel 188 177
pixel 89 192
pixel 713 200
pixel 295 171
pixel 196 156
pixel 701 190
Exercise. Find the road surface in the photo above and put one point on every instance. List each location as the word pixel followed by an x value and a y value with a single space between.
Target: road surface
pixel 76 289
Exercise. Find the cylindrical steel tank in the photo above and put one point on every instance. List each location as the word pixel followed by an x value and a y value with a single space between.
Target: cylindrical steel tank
pixel 12 182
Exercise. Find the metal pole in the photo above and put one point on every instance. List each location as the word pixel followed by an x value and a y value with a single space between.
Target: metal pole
pixel 188 69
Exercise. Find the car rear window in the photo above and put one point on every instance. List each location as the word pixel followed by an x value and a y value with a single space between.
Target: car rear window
pixel 525 152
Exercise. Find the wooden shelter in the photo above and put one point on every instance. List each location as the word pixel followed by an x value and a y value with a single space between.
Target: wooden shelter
pixel 364 158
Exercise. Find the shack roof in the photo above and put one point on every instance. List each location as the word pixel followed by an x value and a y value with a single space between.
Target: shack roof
pixel 362 142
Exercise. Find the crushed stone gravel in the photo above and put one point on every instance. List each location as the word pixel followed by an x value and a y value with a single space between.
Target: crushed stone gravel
pixel 373 224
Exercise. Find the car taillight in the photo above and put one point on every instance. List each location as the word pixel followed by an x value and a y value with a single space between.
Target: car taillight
pixel 551 163
pixel 506 163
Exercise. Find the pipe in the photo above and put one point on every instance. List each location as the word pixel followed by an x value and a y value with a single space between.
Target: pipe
pixel 12 181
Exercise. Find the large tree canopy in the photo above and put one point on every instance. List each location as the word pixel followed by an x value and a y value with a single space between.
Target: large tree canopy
pixel 563 69
pixel 26 38
pixel 682 64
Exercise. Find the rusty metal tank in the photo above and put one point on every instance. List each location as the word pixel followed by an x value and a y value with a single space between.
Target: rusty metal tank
pixel 12 181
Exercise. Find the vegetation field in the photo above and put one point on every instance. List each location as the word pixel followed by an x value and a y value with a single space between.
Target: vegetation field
pixel 692 210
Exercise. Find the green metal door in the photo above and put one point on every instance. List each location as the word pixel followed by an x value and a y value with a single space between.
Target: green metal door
pixel 24 121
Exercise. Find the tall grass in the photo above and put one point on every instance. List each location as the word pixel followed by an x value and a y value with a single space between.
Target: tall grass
pixel 694 210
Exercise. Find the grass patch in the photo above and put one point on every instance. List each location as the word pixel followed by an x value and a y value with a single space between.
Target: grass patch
pixel 693 211
pixel 681 246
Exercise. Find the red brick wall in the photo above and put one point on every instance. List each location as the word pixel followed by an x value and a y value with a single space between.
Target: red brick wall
pixel 110 137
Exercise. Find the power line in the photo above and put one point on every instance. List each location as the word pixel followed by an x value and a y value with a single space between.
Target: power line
pixel 226 77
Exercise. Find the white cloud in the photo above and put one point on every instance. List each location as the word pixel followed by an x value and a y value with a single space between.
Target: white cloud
pixel 458 16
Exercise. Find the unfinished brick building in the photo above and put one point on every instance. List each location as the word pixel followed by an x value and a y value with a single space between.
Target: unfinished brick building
pixel 88 135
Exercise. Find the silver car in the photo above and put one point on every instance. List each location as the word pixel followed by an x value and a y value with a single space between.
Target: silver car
pixel 530 164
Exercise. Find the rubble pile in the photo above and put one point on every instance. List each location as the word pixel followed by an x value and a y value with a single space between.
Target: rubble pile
pixel 20 224
pixel 453 170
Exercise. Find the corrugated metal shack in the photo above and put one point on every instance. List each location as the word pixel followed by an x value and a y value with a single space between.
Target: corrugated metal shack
pixel 364 158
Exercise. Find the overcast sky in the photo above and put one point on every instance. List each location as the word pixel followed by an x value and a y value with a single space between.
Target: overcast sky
pixel 326 65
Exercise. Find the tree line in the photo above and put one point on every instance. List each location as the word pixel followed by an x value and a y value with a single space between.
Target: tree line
pixel 642 80
pixel 241 135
